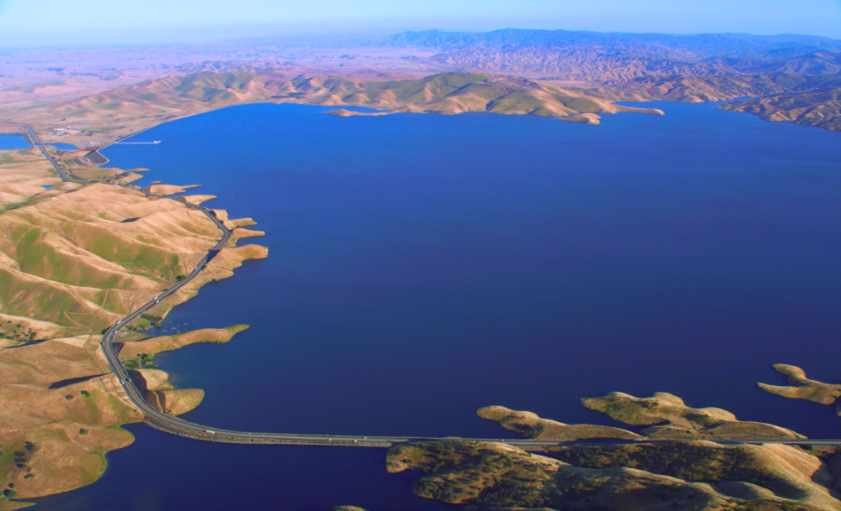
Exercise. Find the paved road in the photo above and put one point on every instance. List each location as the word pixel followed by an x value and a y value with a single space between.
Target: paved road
pixel 62 174
pixel 175 425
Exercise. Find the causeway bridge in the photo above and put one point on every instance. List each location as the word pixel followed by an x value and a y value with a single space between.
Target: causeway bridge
pixel 171 424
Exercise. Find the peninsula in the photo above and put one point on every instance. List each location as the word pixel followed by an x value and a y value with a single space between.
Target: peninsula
pixel 62 283
pixel 687 469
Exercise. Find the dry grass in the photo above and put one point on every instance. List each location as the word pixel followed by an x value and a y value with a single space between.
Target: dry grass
pixel 155 345
pixel 531 426
pixel 699 476
pixel 73 260
pixel 670 418
pixel 800 387
pixel 23 175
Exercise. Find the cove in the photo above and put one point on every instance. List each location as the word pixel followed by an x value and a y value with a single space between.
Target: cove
pixel 422 266
pixel 8 142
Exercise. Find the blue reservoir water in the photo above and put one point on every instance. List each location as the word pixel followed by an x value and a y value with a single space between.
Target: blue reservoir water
pixel 8 142
pixel 423 266
pixel 19 142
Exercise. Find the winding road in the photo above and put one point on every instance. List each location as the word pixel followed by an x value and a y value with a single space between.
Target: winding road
pixel 175 425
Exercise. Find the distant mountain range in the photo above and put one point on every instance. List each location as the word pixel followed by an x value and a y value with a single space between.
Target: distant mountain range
pixel 786 77
pixel 600 56
pixel 792 77
pixel 700 46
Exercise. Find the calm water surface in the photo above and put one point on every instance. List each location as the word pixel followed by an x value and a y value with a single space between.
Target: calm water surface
pixel 423 266
pixel 13 142
pixel 19 142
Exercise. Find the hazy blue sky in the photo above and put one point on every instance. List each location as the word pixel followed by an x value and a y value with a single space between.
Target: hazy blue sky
pixel 51 22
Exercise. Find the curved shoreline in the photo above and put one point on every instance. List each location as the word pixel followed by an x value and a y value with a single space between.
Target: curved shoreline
pixel 180 427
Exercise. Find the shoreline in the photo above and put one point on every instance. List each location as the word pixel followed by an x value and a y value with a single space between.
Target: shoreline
pixel 232 436
pixel 122 390
pixel 551 101
pixel 251 442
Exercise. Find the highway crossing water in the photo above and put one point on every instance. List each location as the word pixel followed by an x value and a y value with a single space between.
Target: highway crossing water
pixel 423 266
